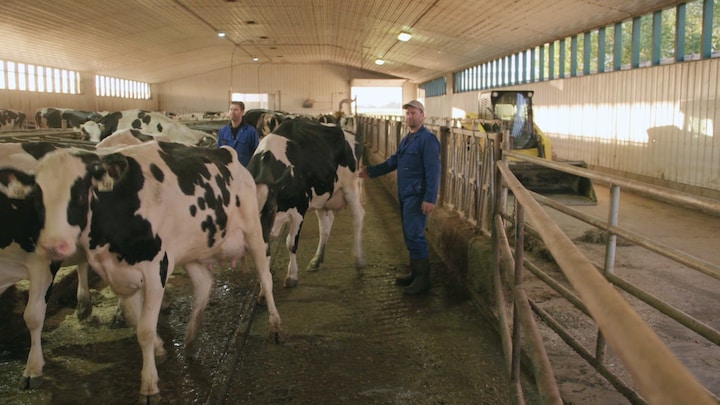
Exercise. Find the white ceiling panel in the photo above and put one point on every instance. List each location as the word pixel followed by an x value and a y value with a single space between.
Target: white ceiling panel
pixel 161 40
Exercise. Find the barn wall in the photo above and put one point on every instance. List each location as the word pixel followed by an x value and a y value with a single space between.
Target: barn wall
pixel 657 124
pixel 29 102
pixel 290 85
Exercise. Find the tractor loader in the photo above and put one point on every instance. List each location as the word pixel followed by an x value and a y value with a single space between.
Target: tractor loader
pixel 512 111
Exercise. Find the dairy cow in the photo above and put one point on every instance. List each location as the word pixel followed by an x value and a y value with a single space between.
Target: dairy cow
pixel 19 229
pixel 12 119
pixel 150 123
pixel 306 165
pixel 142 210
pixel 264 121
pixel 50 117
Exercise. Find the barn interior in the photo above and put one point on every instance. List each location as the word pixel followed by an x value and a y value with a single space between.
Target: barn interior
pixel 189 58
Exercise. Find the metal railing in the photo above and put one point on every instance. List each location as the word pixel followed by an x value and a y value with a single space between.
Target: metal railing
pixel 475 182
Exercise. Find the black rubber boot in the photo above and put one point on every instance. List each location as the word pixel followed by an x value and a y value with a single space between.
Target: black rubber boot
pixel 421 269
pixel 406 280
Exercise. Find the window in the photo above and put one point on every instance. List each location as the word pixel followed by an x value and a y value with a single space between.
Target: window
pixel 684 32
pixel 25 77
pixel 122 88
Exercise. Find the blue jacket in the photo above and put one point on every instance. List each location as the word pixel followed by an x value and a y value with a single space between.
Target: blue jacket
pixel 244 143
pixel 417 161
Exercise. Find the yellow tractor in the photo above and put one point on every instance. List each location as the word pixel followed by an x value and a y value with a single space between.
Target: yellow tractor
pixel 512 111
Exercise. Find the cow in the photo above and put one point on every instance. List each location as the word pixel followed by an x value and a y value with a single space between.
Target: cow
pixel 75 118
pixel 303 165
pixel 51 117
pixel 327 119
pixel 125 137
pixel 12 119
pixel 18 260
pixel 264 121
pixel 141 210
pixel 147 122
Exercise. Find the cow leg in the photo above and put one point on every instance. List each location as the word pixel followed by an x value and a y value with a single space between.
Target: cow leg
pixel 256 247
pixel 34 316
pixel 202 282
pixel 84 306
pixel 131 307
pixel 352 199
pixel 296 220
pixel 152 295
pixel 325 222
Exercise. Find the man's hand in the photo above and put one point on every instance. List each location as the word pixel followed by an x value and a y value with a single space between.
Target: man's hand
pixel 363 172
pixel 427 207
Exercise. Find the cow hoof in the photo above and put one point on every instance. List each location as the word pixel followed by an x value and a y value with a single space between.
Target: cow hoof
pixel 149 399
pixel 314 265
pixel 30 383
pixel 290 283
pixel 118 321
pixel 83 310
pixel 276 337
pixel 192 350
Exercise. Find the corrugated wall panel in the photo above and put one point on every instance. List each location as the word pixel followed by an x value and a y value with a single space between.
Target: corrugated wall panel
pixel 657 123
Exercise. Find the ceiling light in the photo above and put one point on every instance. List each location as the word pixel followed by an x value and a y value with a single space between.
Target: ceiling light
pixel 379 62
pixel 221 34
pixel 255 59
pixel 404 36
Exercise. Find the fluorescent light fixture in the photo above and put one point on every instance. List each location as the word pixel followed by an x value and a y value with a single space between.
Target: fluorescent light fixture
pixel 404 36
pixel 379 62
pixel 221 34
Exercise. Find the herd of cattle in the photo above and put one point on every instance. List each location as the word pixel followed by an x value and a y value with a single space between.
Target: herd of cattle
pixel 134 207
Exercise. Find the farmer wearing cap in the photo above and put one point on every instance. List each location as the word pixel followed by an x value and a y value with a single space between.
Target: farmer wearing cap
pixel 417 161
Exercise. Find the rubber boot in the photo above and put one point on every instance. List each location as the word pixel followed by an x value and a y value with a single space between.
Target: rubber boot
pixel 421 270
pixel 406 280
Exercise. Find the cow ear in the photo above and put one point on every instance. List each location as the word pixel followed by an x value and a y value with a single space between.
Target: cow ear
pixel 105 173
pixel 16 185
pixel 99 177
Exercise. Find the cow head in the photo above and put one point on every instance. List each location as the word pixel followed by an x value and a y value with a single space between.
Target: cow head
pixel 62 194
pixel 91 131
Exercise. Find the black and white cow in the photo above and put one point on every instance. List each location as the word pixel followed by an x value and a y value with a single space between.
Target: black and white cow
pixel 51 117
pixel 306 165
pixel 125 137
pixel 19 230
pixel 142 210
pixel 12 119
pixel 146 121
pixel 264 121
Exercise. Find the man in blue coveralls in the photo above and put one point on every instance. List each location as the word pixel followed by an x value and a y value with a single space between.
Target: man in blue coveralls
pixel 417 161
pixel 239 135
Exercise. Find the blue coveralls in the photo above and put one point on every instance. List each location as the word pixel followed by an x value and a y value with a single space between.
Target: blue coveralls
pixel 417 161
pixel 244 142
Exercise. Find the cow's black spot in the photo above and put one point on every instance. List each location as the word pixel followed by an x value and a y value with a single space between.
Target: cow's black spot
pixel 20 221
pixel 116 223
pixel 164 270
pixel 157 172
pixel 38 149
pixel 193 210
pixel 208 226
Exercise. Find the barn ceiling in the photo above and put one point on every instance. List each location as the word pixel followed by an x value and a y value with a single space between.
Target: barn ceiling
pixel 161 40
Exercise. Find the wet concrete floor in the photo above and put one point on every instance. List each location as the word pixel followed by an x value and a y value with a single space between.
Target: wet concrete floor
pixel 348 338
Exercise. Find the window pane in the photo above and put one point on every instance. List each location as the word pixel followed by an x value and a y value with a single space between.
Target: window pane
pixel 693 28
pixel 11 76
pixel 2 75
pixel 32 79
